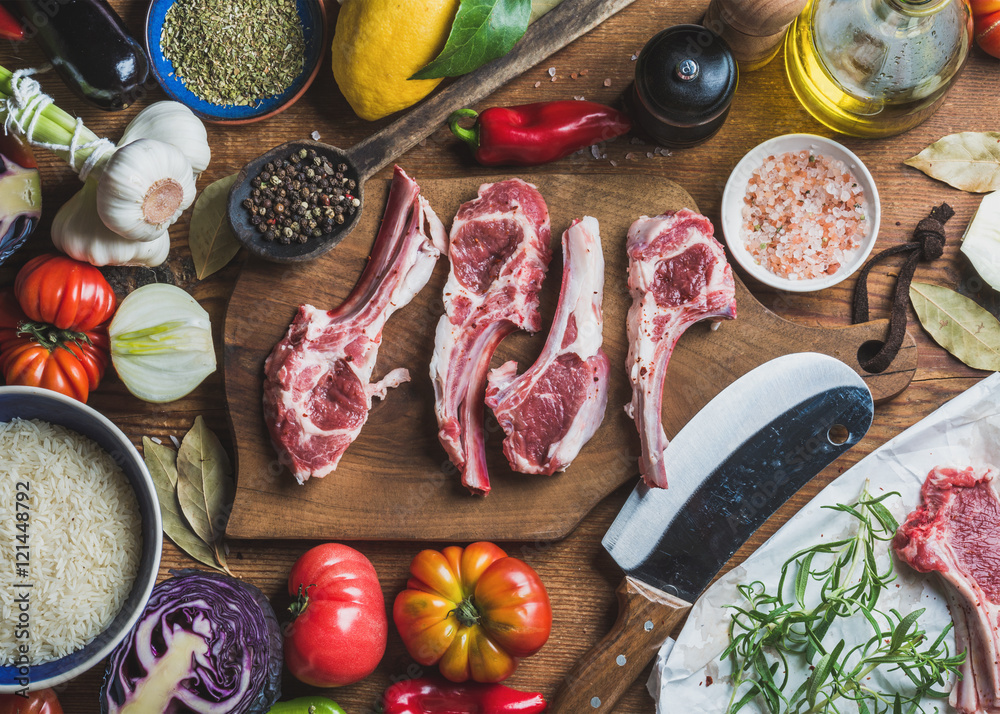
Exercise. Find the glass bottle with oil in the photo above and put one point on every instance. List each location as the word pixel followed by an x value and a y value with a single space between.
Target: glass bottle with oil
pixel 876 67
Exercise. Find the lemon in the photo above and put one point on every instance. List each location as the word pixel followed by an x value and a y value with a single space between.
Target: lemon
pixel 379 43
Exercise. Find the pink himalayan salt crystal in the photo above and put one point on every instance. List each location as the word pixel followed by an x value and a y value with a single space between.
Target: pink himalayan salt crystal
pixel 804 215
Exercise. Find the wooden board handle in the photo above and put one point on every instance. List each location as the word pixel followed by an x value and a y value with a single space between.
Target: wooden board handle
pixel 556 29
pixel 646 617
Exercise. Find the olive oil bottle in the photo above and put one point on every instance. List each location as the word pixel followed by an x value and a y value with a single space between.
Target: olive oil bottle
pixel 876 67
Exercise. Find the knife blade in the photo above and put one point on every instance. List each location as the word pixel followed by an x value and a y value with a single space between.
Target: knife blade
pixel 732 465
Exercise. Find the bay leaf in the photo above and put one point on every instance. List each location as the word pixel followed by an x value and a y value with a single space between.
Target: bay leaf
pixel 205 488
pixel 482 31
pixel 969 161
pixel 958 324
pixel 540 7
pixel 210 238
pixel 161 461
pixel 219 548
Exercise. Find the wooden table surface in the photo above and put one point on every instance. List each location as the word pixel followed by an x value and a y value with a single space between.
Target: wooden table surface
pixel 579 575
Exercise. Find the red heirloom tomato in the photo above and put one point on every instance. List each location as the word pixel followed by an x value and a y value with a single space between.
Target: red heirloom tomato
pixel 987 31
pixel 43 701
pixel 64 292
pixel 473 611
pixel 340 627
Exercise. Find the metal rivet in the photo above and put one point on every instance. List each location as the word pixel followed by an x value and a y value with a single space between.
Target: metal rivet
pixel 687 70
pixel 648 626
pixel 595 702
pixel 620 659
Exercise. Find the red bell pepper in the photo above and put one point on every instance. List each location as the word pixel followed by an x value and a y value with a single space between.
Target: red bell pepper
pixel 533 134
pixel 437 696
pixel 10 28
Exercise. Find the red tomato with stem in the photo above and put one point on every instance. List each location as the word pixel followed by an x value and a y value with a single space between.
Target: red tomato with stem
pixel 987 31
pixel 64 292
pixel 472 611
pixel 340 626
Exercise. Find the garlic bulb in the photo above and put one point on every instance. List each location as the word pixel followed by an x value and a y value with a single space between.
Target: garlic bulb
pixel 174 124
pixel 145 187
pixel 78 231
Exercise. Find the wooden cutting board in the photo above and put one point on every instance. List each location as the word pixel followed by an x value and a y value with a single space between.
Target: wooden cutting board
pixel 395 482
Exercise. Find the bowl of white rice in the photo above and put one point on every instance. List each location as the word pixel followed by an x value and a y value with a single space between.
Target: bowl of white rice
pixel 79 538
pixel 800 212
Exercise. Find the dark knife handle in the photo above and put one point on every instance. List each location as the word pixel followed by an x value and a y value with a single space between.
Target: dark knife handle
pixel 646 617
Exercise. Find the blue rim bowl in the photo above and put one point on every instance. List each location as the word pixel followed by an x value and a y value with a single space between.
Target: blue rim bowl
pixel 314 27
pixel 34 403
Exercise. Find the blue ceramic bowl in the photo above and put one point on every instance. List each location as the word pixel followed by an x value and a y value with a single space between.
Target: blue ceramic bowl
pixel 33 403
pixel 314 28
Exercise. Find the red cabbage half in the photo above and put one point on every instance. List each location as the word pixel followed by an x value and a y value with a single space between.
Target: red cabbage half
pixel 205 643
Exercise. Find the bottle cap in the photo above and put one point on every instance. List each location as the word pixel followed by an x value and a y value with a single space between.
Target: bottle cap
pixel 685 79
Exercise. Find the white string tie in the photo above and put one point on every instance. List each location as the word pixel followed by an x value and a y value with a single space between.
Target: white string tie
pixel 25 107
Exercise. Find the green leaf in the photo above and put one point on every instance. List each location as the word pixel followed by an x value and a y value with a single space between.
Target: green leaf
pixel 204 488
pixel 969 161
pixel 161 461
pixel 210 239
pixel 483 30
pixel 958 324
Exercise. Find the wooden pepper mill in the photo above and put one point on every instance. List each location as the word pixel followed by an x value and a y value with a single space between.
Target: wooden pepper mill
pixel 753 29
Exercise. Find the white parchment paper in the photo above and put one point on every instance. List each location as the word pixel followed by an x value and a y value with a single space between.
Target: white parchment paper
pixel 688 675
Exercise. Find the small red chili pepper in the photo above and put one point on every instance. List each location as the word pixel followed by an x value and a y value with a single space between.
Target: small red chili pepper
pixel 10 28
pixel 438 696
pixel 533 134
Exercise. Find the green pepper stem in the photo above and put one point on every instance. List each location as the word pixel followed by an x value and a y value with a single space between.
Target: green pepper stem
pixel 469 136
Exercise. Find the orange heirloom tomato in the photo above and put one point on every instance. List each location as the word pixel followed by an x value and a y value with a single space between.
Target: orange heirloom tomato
pixel 984 7
pixel 473 611
pixel 987 31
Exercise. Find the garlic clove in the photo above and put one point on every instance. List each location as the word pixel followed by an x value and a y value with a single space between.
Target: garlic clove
pixel 174 124
pixel 145 187
pixel 78 231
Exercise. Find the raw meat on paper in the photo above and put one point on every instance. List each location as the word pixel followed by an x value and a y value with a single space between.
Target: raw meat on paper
pixel 499 252
pixel 552 410
pixel 678 275
pixel 316 388
pixel 956 533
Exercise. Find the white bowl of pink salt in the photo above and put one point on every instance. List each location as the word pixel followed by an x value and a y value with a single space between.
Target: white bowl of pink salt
pixel 800 212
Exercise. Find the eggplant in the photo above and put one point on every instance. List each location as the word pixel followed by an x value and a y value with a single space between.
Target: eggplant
pixel 90 47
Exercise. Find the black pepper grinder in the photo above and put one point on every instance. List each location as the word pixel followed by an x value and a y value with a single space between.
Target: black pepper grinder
pixel 685 79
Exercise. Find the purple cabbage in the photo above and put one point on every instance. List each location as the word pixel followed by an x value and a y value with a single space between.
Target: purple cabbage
pixel 206 643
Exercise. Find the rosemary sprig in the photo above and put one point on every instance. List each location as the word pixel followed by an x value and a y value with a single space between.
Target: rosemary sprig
pixel 773 633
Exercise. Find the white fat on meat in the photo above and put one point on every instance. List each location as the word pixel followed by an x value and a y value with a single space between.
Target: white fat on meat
pixel 678 275
pixel 317 390
pixel 552 410
pixel 499 251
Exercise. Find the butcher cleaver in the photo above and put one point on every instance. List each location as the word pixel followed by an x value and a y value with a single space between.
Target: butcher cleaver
pixel 738 459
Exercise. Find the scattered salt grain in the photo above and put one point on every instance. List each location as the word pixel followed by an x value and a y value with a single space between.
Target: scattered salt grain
pixel 607 82
pixel 613 162
pixel 635 140
pixel 552 71
pixel 630 156
pixel 537 85
pixel 595 151
pixel 649 154
pixel 175 442
pixel 553 79
pixel 578 97
pixel 804 215
pixel 156 439
pixel 584 72
pixel 634 57
pixel 315 136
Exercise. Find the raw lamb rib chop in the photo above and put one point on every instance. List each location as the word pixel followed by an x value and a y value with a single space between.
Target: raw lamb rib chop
pixel 678 275
pixel 552 410
pixel 956 532
pixel 499 251
pixel 316 389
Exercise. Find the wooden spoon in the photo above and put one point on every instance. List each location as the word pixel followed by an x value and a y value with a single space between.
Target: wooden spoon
pixel 569 20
